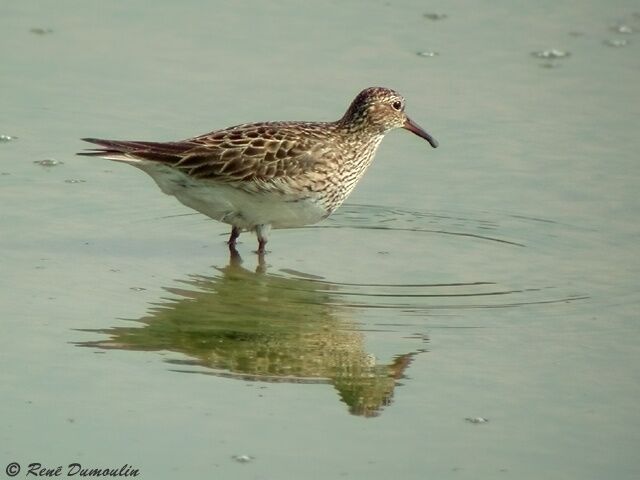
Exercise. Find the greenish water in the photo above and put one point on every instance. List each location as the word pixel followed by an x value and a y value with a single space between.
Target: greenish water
pixel 493 278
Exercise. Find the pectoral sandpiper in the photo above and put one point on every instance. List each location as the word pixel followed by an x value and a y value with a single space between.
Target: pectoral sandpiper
pixel 259 176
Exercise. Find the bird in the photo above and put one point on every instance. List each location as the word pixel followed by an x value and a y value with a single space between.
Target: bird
pixel 259 176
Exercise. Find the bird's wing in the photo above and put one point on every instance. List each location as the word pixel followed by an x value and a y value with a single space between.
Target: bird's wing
pixel 247 154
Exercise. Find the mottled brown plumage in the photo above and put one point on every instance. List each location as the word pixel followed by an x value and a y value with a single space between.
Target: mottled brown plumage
pixel 274 174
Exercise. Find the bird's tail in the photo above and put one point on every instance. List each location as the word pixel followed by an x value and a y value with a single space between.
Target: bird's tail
pixel 131 151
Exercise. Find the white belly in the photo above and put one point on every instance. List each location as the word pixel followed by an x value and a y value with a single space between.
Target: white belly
pixel 235 206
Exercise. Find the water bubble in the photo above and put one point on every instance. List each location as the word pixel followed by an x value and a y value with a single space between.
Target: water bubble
pixel 74 180
pixel 616 42
pixel 48 162
pixel 476 420
pixel 427 54
pixel 551 53
pixel 621 28
pixel 6 138
pixel 242 458
pixel 41 31
pixel 435 16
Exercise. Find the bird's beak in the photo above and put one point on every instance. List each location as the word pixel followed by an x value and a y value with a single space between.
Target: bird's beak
pixel 415 128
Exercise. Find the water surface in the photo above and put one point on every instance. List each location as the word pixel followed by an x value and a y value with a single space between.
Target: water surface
pixel 493 278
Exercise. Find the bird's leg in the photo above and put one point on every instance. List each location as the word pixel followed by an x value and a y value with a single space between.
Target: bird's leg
pixel 234 256
pixel 261 244
pixel 235 260
pixel 262 232
pixel 261 268
pixel 235 233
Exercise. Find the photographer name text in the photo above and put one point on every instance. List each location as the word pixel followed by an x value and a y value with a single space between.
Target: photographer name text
pixel 78 470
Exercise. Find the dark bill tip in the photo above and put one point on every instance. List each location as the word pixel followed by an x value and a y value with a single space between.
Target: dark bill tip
pixel 415 128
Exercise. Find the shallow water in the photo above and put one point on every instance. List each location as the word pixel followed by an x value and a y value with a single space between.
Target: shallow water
pixel 495 278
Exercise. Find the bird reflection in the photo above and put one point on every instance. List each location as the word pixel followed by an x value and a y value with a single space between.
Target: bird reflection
pixel 264 327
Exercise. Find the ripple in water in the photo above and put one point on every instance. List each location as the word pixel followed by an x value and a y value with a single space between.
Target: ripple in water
pixel 48 162
pixel 621 28
pixel 552 56
pixel 616 42
pixel 509 237
pixel 41 31
pixel 477 420
pixel 551 53
pixel 435 16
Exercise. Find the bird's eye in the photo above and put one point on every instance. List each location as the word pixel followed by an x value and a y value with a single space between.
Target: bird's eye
pixel 397 105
